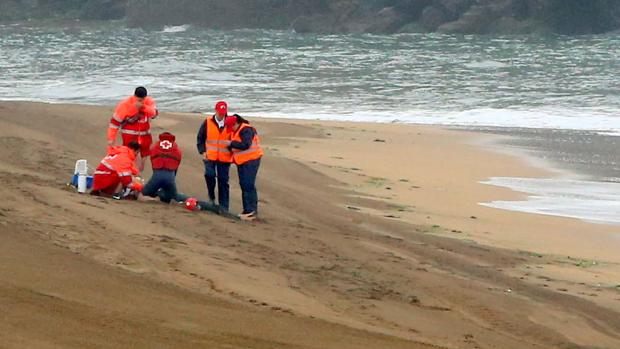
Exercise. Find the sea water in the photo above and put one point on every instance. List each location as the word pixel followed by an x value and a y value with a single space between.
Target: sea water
pixel 515 81
pixel 593 201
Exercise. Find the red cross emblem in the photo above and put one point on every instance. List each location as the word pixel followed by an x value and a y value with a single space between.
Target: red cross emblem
pixel 166 145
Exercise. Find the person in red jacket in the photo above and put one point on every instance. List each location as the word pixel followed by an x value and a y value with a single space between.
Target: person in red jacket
pixel 165 158
pixel 133 118
pixel 116 171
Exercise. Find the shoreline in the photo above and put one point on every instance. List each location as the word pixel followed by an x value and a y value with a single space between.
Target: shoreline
pixel 334 117
pixel 373 226
pixel 511 163
pixel 497 138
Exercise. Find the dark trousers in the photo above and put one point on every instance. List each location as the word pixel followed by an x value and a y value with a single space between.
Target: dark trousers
pixel 216 171
pixel 162 184
pixel 247 180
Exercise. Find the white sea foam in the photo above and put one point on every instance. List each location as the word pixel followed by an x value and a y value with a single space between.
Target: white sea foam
pixel 489 64
pixel 543 118
pixel 585 200
pixel 176 28
pixel 610 133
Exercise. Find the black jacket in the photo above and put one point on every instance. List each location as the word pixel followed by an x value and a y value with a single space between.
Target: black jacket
pixel 201 138
pixel 247 136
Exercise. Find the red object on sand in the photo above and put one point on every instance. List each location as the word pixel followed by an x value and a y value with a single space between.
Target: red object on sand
pixel 191 204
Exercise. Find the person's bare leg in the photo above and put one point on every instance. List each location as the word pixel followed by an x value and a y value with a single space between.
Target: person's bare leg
pixel 118 188
pixel 145 198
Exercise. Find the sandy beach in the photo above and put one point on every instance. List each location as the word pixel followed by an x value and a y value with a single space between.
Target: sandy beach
pixel 372 236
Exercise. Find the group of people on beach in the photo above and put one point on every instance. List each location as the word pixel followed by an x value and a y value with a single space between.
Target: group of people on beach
pixel 222 140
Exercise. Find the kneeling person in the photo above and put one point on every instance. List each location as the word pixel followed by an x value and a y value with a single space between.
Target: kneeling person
pixel 165 158
pixel 115 173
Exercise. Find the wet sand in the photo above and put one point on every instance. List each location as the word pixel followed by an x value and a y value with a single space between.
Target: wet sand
pixel 372 237
pixel 586 154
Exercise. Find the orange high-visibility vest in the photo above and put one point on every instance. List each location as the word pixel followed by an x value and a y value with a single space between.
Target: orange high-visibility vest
pixel 131 120
pixel 120 159
pixel 217 142
pixel 254 152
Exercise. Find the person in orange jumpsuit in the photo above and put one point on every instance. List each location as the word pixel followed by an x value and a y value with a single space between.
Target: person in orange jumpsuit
pixel 116 171
pixel 132 117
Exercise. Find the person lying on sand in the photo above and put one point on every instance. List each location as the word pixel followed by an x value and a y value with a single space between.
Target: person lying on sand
pixel 114 177
pixel 133 118
pixel 166 158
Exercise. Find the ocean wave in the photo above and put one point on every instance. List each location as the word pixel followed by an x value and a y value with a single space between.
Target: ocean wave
pixel 428 79
pixel 176 28
pixel 489 64
pixel 507 118
pixel 585 200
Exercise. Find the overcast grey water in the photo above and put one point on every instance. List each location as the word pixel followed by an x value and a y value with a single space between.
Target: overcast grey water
pixel 524 81
pixel 511 82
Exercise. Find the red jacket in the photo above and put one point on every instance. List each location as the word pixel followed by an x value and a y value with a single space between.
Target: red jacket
pixel 165 154
pixel 118 162
pixel 131 120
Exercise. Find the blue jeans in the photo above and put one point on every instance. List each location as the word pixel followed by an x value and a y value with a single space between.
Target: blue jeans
pixel 247 180
pixel 220 171
pixel 162 184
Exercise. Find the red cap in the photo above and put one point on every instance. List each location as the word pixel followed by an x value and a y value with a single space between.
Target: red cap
pixel 230 122
pixel 221 107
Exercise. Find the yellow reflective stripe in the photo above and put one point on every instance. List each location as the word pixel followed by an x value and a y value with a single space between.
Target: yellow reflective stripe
pixel 254 145
pixel 251 150
pixel 106 164
pixel 135 133
pixel 217 149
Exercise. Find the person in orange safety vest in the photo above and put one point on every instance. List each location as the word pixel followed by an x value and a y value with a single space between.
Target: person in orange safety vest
pixel 212 142
pixel 116 171
pixel 247 154
pixel 132 117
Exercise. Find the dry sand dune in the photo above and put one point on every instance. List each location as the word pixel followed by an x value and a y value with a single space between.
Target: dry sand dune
pixel 85 272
